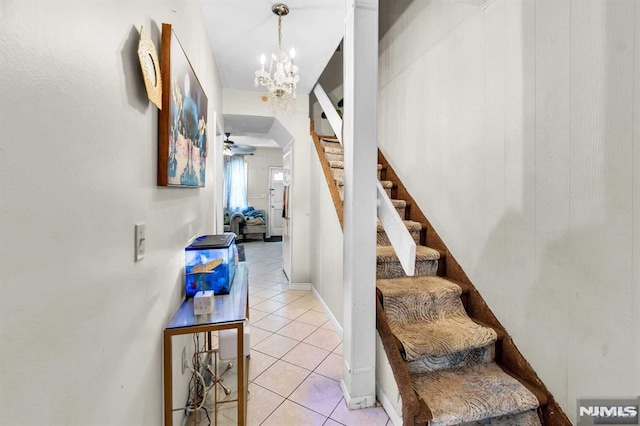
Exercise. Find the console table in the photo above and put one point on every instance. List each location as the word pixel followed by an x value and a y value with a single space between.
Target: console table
pixel 230 312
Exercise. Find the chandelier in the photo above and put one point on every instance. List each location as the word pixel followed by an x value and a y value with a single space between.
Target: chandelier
pixel 282 78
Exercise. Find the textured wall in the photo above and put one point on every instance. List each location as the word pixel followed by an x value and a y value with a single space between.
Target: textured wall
pixel 515 127
pixel 81 323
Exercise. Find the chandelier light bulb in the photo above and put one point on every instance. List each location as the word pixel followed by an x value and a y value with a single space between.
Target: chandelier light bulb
pixel 292 53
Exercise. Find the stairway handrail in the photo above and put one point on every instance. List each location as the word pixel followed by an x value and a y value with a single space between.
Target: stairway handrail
pixel 399 236
pixel 329 110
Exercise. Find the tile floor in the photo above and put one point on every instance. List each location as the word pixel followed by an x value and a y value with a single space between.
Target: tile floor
pixel 296 356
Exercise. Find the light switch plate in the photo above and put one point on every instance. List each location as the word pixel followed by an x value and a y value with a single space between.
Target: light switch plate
pixel 140 242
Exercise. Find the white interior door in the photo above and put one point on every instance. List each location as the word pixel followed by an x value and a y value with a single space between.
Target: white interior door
pixel 276 193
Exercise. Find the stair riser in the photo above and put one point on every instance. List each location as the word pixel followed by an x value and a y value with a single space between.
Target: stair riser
pixel 428 364
pixel 394 269
pixel 328 144
pixel 338 173
pixel 334 157
pixel 383 240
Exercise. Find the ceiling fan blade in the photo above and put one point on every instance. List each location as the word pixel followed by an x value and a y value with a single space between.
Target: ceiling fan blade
pixel 243 149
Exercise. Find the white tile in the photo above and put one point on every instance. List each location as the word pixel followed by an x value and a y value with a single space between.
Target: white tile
pixel 285 297
pixel 331 422
pixel 267 294
pixel 318 393
pixel 313 318
pixel 291 414
pixel 338 350
pixel 272 323
pixel 282 378
pixel 306 303
pixel 258 362
pixel 318 308
pixel 331 367
pixel 323 338
pixel 306 356
pixel 329 326
pixel 276 345
pixel 258 335
pixel 269 306
pixel 255 315
pixel 254 300
pixel 297 330
pixel 262 403
pixel 291 312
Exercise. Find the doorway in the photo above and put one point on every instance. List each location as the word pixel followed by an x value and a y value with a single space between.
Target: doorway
pixel 276 196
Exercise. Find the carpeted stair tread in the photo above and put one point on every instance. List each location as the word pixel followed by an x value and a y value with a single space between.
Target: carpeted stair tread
pixel 333 150
pixel 427 317
pixel 399 203
pixel 471 394
pixel 386 254
pixel 386 184
pixel 527 418
pixel 394 287
pixel 442 336
pixel 410 224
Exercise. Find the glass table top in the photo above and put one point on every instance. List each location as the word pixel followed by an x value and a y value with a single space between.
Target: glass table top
pixel 226 307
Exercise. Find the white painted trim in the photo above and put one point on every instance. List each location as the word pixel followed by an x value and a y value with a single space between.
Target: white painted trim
pixel 359 402
pixel 327 311
pixel 300 286
pixel 388 406
pixel 329 110
pixel 401 239
pixel 366 5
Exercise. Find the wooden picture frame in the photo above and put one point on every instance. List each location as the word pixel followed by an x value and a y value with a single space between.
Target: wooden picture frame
pixel 182 123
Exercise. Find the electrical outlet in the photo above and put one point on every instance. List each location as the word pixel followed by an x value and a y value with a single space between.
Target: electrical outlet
pixel 140 241
pixel 184 359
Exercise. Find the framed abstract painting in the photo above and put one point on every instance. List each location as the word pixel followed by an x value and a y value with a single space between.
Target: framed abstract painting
pixel 182 124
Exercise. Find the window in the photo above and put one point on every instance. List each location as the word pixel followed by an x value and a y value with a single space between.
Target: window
pixel 235 183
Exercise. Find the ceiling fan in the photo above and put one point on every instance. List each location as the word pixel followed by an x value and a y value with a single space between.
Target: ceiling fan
pixel 230 147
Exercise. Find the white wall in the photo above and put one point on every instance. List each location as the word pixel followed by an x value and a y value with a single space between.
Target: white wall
pixel 296 121
pixel 326 244
pixel 515 128
pixel 258 176
pixel 81 323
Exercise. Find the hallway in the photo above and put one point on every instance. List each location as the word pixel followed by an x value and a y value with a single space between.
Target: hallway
pixel 296 355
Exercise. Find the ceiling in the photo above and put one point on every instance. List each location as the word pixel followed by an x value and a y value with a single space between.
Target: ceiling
pixel 242 30
pixel 250 130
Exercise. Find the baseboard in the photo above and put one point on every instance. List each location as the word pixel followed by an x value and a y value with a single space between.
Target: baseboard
pixel 327 311
pixel 396 418
pixel 359 402
pixel 300 286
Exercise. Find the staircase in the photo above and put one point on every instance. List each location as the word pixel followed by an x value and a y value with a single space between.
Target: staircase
pixel 452 360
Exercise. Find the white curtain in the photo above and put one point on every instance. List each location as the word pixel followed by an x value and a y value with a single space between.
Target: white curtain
pixel 235 183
